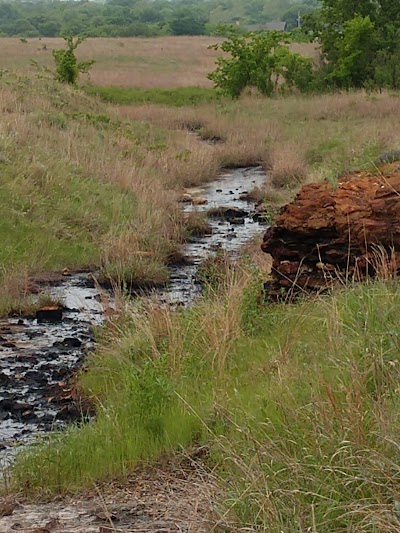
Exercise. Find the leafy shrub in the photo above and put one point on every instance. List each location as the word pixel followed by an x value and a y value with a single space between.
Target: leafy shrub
pixel 68 67
pixel 260 60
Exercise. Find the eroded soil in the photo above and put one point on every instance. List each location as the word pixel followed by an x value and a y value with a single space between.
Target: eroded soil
pixel 332 234
pixel 177 497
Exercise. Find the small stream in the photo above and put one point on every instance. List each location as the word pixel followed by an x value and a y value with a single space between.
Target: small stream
pixel 227 234
pixel 37 359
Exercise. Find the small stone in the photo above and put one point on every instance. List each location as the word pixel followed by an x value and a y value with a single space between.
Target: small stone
pixel 8 345
pixel 49 314
pixel 7 508
pixel 69 342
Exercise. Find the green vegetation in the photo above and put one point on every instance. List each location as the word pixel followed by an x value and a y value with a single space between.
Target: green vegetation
pixel 68 67
pixel 127 18
pixel 297 404
pixel 261 11
pixel 360 42
pixel 46 222
pixel 260 60
pixel 54 213
pixel 180 97
pixel 360 47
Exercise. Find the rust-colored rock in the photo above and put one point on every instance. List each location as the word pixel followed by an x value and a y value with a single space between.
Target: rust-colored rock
pixel 330 233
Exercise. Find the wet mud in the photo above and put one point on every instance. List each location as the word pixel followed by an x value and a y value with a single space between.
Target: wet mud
pixel 37 359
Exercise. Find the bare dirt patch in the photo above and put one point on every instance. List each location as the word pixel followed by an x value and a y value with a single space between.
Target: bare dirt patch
pixel 176 496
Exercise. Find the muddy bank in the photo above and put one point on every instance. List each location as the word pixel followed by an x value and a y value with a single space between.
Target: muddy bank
pixel 331 234
pixel 38 358
pixel 173 497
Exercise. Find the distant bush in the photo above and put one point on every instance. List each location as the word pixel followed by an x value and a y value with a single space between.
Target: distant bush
pixel 261 60
pixel 68 67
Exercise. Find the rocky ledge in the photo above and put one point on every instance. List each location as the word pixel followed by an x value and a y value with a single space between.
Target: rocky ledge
pixel 349 231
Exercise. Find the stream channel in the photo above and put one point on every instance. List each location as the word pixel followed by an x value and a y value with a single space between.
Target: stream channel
pixel 39 357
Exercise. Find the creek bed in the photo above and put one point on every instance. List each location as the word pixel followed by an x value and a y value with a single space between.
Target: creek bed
pixel 37 359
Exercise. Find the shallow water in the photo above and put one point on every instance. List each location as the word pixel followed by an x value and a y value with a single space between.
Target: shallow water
pixel 37 359
pixel 224 192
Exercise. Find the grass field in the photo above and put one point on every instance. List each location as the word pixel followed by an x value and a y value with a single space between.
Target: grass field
pixel 146 63
pixel 165 62
pixel 83 188
pixel 297 138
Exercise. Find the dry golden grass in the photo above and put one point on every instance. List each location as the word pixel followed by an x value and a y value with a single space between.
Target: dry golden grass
pixel 288 164
pixel 162 149
pixel 158 62
pixel 50 133
pixel 166 62
pixel 242 144
pixel 14 292
pixel 306 138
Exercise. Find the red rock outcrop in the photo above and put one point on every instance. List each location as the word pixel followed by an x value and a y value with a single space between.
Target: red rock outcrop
pixel 329 233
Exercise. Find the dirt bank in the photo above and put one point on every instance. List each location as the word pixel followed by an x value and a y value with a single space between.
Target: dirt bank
pixel 167 497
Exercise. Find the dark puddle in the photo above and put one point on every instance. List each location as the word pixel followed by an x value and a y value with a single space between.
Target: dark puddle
pixel 38 359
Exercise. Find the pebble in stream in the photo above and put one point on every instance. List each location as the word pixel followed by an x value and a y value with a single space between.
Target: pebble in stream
pixel 36 359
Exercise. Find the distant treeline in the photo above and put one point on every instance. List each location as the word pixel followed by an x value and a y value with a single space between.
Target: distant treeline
pixel 126 18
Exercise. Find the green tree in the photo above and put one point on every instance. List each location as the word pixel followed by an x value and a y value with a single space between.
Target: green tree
pixel 186 22
pixel 24 28
pixel 68 67
pixel 254 9
pixel 292 14
pixel 356 53
pixel 260 60
pixel 360 41
pixel 50 28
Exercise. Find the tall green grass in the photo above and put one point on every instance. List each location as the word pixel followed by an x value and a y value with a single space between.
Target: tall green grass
pixel 180 97
pixel 53 218
pixel 298 405
pixel 81 189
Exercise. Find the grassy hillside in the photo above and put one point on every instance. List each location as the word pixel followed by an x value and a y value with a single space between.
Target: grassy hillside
pixel 82 188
